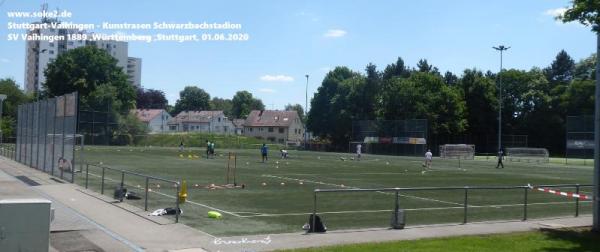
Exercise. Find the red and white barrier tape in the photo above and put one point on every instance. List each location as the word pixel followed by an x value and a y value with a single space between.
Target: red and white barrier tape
pixel 557 192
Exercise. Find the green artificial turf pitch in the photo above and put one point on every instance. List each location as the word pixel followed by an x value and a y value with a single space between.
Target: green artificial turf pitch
pixel 278 194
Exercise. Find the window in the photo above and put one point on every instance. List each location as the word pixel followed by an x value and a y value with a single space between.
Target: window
pixel 280 140
pixel 172 127
pixel 261 129
pixel 281 130
pixel 51 51
pixel 70 43
pixel 51 44
pixel 270 129
pixel 219 119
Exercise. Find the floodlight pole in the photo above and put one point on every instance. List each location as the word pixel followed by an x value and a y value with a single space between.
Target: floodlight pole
pixel 500 48
pixel 2 98
pixel 596 188
pixel 306 115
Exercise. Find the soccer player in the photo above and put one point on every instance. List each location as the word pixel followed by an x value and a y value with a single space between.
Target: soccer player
pixel 207 149
pixel 500 157
pixel 264 150
pixel 212 149
pixel 284 154
pixel 358 151
pixel 428 158
pixel 181 146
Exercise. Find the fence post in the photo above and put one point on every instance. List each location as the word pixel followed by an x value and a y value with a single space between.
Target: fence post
pixel 465 204
pixel 526 191
pixel 87 175
pixel 577 201
pixel 102 183
pixel 314 217
pixel 396 209
pixel 177 203
pixel 146 198
pixel 122 179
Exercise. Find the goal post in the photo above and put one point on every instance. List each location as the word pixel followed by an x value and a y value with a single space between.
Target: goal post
pixel 529 155
pixel 457 151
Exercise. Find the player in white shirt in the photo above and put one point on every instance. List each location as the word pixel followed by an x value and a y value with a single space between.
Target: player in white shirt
pixel 358 151
pixel 428 157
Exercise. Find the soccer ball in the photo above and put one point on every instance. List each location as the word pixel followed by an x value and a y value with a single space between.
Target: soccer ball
pixel 282 183
pixel 264 184
pixel 387 163
pixel 301 183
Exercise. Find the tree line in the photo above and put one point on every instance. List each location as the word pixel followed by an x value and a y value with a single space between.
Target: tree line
pixel 535 102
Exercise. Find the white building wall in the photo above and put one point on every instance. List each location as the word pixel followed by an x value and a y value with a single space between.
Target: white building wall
pixel 48 51
pixel 134 71
pixel 159 123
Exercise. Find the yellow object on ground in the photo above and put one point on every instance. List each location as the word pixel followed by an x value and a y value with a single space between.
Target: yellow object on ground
pixel 180 155
pixel 214 215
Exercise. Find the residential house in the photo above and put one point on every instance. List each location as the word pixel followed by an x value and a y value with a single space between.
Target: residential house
pixel 202 121
pixel 155 119
pixel 238 124
pixel 274 125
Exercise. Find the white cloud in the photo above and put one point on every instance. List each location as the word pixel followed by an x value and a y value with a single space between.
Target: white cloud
pixel 267 90
pixel 277 78
pixel 335 33
pixel 4 60
pixel 555 12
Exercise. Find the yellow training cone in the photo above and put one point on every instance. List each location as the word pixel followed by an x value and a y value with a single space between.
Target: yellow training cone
pixel 183 192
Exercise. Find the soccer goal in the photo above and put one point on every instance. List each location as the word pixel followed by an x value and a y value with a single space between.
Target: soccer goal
pixel 529 155
pixel 457 151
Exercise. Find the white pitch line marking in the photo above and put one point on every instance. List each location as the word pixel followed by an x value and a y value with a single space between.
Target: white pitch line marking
pixel 173 197
pixel 411 209
pixel 352 187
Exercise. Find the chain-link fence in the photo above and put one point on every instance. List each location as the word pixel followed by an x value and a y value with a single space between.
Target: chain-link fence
pixel 580 137
pixel 390 137
pixel 46 135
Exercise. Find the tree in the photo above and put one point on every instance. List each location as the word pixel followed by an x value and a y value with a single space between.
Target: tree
pixel 562 69
pixel 481 100
pixel 578 98
pixel 450 79
pixel 222 104
pixel 365 94
pixel 423 66
pixel 192 98
pixel 298 108
pixel 14 98
pixel 330 116
pixel 424 96
pixel 243 102
pixel 150 99
pixel 84 69
pixel 585 69
pixel 587 12
pixel 396 70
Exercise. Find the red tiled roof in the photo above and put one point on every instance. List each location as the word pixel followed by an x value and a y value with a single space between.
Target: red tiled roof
pixel 238 123
pixel 196 116
pixel 273 118
pixel 146 115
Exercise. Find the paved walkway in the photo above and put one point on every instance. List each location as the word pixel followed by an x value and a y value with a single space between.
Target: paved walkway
pixel 85 221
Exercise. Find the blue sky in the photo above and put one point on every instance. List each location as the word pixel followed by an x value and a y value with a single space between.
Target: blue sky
pixel 289 39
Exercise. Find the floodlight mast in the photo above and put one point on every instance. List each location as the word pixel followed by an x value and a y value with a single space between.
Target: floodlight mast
pixel 596 188
pixel 500 48
pixel 306 115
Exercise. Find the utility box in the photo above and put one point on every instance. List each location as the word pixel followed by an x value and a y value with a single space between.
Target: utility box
pixel 24 225
pixel 398 219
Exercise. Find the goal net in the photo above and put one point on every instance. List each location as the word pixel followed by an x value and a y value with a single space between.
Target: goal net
pixel 457 151
pixel 537 155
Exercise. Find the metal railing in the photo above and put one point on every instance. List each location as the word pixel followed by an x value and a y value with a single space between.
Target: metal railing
pixel 465 190
pixel 122 184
